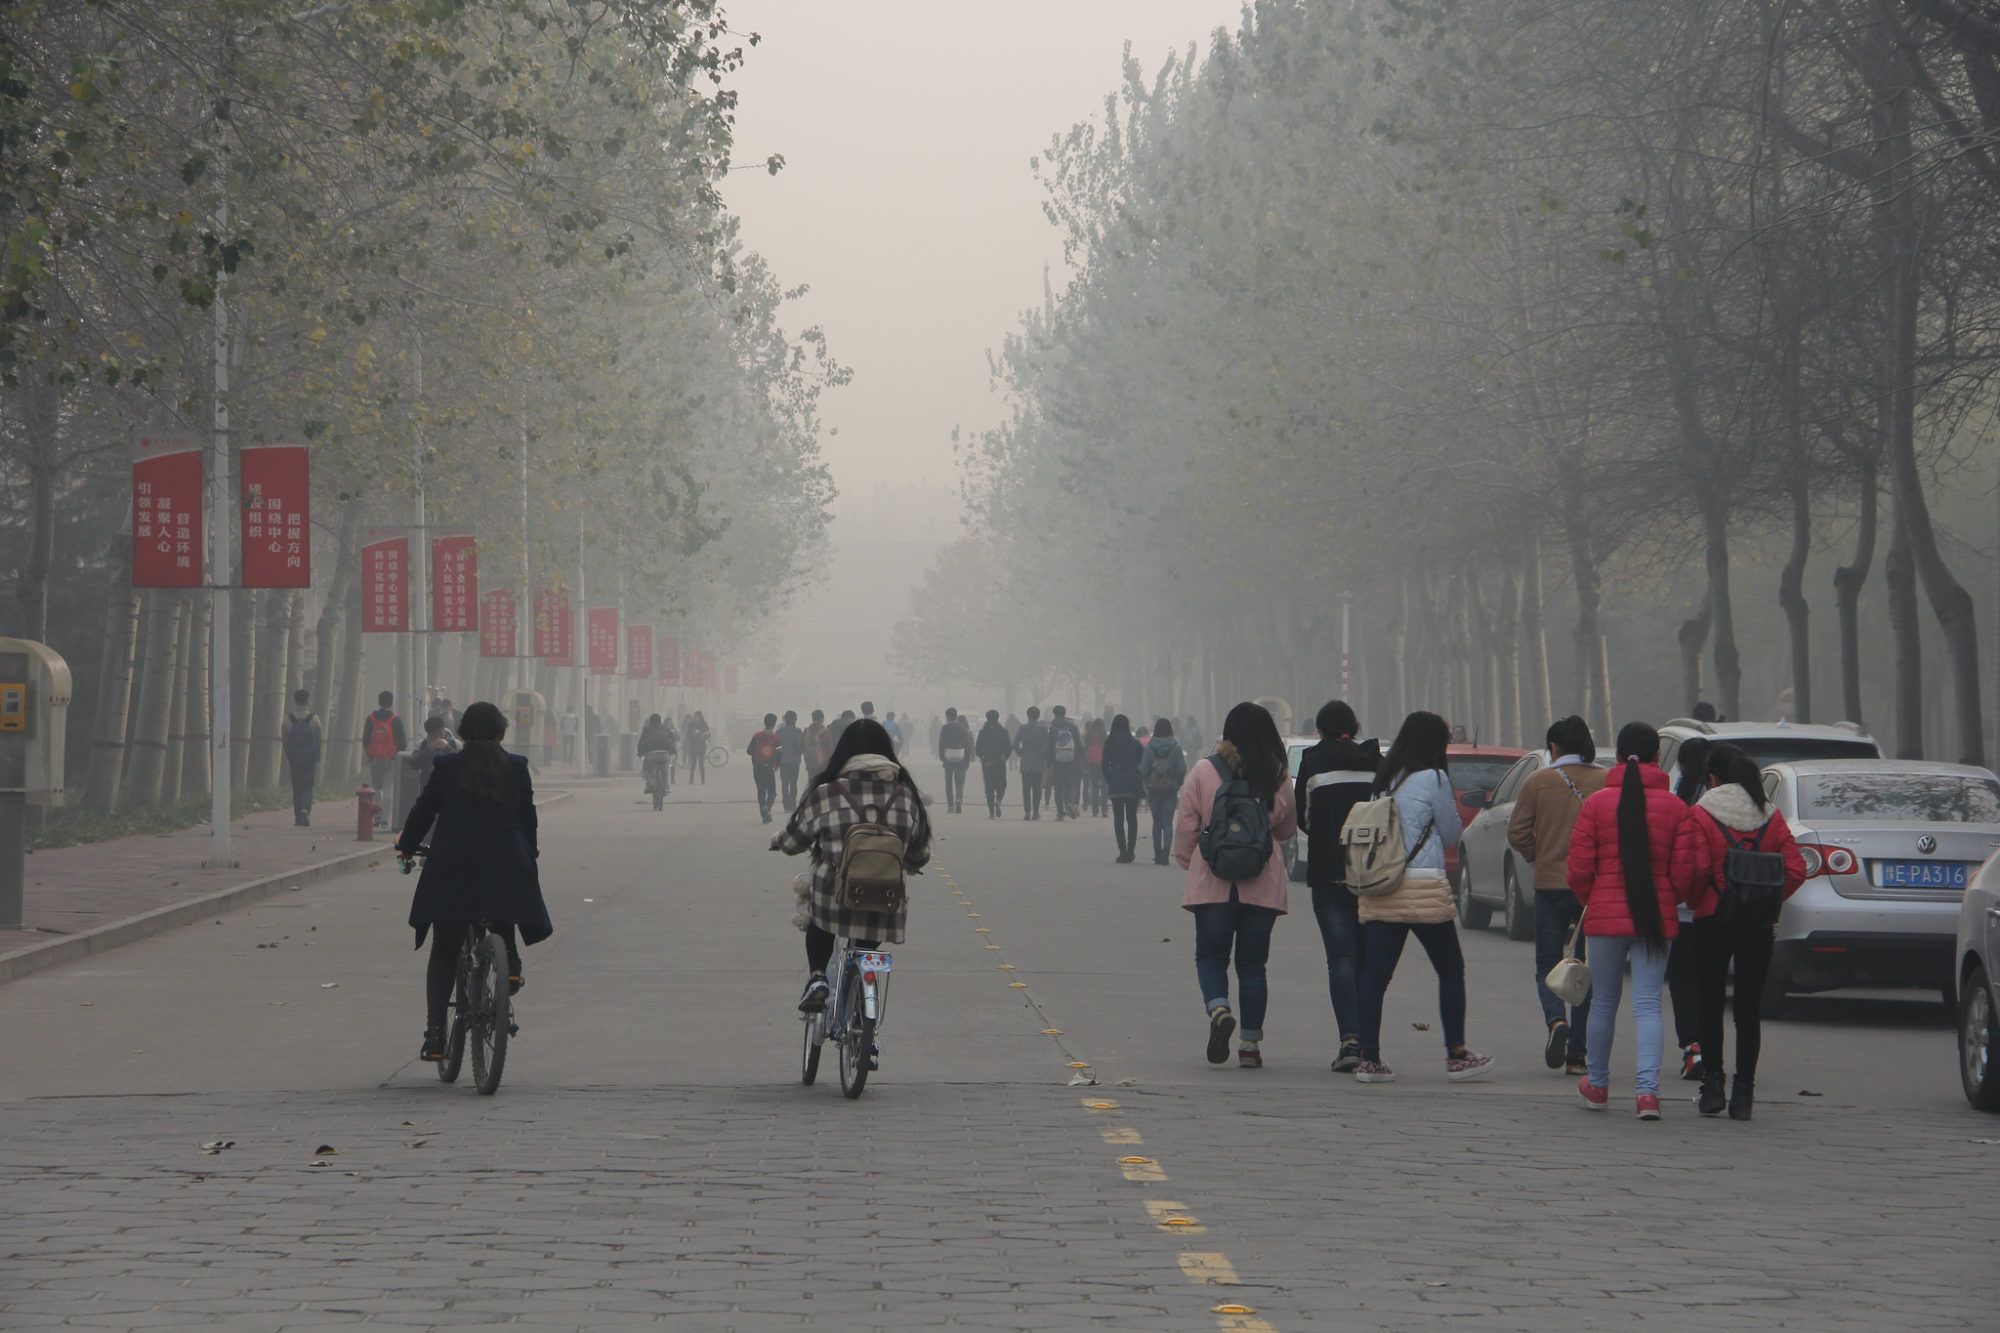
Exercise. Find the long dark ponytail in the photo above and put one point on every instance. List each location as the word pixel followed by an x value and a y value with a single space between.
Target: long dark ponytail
pixel 1729 763
pixel 1638 744
pixel 482 764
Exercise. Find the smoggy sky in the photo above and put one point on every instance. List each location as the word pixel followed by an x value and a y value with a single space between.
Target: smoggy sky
pixel 906 202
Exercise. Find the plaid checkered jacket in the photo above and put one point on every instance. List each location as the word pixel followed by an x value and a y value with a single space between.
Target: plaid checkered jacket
pixel 820 826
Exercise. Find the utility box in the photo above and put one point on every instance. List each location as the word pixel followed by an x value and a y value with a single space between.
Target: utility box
pixel 527 717
pixel 35 691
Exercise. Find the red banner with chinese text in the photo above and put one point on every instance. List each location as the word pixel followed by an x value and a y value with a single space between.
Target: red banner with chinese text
pixel 167 501
pixel 639 652
pixel 603 640
pixel 555 624
pixel 276 528
pixel 670 659
pixel 385 586
pixel 700 670
pixel 455 584
pixel 496 624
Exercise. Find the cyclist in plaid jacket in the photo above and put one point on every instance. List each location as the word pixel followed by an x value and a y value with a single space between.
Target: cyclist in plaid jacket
pixel 863 769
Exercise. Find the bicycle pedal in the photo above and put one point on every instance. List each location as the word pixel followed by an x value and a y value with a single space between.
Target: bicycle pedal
pixel 513 1029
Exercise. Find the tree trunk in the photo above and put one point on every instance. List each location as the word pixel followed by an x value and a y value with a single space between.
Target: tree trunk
pixel 267 706
pixel 195 719
pixel 1906 633
pixel 295 654
pixel 1399 647
pixel 114 684
pixel 1585 644
pixel 1507 657
pixel 1693 638
pixel 1792 580
pixel 242 684
pixel 170 768
pixel 344 710
pixel 156 680
pixel 1721 609
pixel 1848 581
pixel 1535 700
pixel 40 406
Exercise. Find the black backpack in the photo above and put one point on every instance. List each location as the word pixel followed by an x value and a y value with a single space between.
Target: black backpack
pixel 1753 880
pixel 1237 842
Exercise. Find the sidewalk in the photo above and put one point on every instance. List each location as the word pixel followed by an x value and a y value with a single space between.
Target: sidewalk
pixel 83 900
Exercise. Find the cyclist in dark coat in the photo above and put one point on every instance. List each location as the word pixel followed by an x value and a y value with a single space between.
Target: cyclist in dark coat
pixel 478 809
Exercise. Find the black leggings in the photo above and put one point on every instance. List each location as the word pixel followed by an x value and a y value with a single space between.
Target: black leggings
pixel 1750 947
pixel 819 947
pixel 447 938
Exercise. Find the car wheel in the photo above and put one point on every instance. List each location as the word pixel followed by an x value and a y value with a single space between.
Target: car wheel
pixel 1472 914
pixel 1520 912
pixel 1979 1043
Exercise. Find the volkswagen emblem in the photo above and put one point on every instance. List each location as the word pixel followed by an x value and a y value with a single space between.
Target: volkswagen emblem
pixel 1926 844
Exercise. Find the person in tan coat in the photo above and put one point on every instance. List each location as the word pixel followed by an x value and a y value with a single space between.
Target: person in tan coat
pixel 1545 811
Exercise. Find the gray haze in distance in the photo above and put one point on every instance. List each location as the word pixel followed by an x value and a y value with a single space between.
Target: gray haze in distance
pixel 907 205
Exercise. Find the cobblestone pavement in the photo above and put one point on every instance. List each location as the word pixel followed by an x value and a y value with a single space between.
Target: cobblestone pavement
pixel 652 1158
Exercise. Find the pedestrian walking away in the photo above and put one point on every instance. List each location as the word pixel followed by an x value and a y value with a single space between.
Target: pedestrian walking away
pixel 994 749
pixel 303 742
pixel 1621 870
pixel 1066 752
pixel 791 753
pixel 818 743
pixel 382 739
pixel 1031 747
pixel 1096 799
pixel 478 813
pixel 1739 864
pixel 697 734
pixel 1162 769
pixel 1333 775
pixel 1545 812
pixel 1118 770
pixel 1413 774
pixel 1690 783
pixel 1233 811
pixel 763 752
pixel 861 784
pixel 653 740
pixel 954 751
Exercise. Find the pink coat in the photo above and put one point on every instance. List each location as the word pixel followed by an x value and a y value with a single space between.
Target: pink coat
pixel 1196 800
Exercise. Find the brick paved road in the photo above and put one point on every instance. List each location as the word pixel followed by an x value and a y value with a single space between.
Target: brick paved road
pixel 652 1158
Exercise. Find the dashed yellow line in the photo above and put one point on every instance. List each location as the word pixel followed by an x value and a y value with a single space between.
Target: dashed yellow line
pixel 1210 1268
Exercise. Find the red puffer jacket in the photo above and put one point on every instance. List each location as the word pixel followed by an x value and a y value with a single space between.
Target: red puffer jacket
pixel 1701 847
pixel 1596 875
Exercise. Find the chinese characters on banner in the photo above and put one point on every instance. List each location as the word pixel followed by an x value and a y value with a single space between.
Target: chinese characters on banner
pixel 496 624
pixel 670 659
pixel 385 597
pixel 700 670
pixel 639 652
pixel 455 585
pixel 277 516
pixel 554 626
pixel 729 679
pixel 603 640
pixel 166 512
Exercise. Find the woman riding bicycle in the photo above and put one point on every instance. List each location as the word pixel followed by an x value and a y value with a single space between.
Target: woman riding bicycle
pixel 656 737
pixel 862 783
pixel 481 865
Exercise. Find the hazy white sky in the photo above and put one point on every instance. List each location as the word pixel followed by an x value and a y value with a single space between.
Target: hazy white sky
pixel 906 202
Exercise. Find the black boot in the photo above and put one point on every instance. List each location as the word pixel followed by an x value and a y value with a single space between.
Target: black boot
pixel 1712 1099
pixel 1741 1097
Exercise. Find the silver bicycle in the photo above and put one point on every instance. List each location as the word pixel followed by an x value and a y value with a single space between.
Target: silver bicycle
pixel 851 1018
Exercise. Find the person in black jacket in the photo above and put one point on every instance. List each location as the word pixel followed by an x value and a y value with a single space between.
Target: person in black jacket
pixel 994 747
pixel 954 751
pixel 481 865
pixel 1333 775
pixel 1120 767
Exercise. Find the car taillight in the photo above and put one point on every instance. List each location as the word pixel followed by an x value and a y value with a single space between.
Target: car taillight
pixel 1827 860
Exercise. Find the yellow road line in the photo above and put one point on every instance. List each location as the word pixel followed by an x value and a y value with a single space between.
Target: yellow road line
pixel 1207 1266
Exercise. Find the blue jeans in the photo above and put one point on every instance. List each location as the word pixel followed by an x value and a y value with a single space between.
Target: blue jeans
pixel 1163 823
pixel 1216 927
pixel 1340 931
pixel 1381 947
pixel 1556 910
pixel 1608 954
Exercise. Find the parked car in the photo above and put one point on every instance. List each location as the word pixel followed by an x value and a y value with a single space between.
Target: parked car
pixel 1294 847
pixel 1766 742
pixel 1890 846
pixel 1491 877
pixel 1978 946
pixel 1476 773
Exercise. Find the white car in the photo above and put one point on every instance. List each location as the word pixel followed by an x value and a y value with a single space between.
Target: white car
pixel 1491 875
pixel 1978 947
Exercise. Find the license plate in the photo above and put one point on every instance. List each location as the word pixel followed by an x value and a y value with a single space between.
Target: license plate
pixel 880 962
pixel 1920 874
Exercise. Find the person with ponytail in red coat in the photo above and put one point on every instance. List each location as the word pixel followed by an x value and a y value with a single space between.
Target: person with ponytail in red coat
pixel 1621 870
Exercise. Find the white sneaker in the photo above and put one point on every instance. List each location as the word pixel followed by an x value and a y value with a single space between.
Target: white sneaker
pixel 1373 1071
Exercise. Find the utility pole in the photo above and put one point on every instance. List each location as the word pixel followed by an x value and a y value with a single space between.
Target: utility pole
pixel 420 683
pixel 523 625
pixel 220 514
pixel 1346 658
pixel 579 650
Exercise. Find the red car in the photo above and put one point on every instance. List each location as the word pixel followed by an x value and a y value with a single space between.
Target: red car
pixel 1475 771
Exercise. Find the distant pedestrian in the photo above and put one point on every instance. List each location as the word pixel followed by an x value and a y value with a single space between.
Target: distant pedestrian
pixel 1192 741
pixel 840 725
pixel 697 735
pixel 1234 806
pixel 1414 772
pixel 1732 833
pixel 1031 747
pixel 304 740
pixel 1620 868
pixel 954 751
pixel 1118 772
pixel 1162 769
pixel 1065 761
pixel 818 742
pixel 763 752
pixel 449 714
pixel 1094 793
pixel 1690 783
pixel 895 730
pixel 993 748
pixel 382 739
pixel 791 753
pixel 1545 812
pixel 1333 775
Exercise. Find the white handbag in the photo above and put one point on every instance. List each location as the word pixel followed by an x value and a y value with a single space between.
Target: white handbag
pixel 1569 979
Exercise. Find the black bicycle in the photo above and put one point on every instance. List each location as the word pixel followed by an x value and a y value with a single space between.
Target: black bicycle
pixel 482 1006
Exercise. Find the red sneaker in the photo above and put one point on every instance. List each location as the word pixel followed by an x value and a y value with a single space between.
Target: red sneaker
pixel 1594 1099
pixel 1647 1106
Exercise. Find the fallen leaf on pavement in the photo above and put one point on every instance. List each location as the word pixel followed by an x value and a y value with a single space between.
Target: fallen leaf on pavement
pixel 217 1145
pixel 325 1150
pixel 1808 1092
pixel 1421 1027
pixel 418 1143
pixel 329 985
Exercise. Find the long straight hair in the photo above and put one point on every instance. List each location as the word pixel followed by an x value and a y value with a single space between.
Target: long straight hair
pixel 1250 729
pixel 1419 747
pixel 1728 763
pixel 864 736
pixel 1638 744
pixel 1693 761
pixel 482 764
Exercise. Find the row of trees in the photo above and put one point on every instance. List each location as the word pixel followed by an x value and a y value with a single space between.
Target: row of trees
pixel 473 252
pixel 1481 309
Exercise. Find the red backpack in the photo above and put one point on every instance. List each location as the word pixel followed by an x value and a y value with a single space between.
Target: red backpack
pixel 765 747
pixel 381 737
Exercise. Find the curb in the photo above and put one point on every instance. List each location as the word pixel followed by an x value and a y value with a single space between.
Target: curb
pixel 68 948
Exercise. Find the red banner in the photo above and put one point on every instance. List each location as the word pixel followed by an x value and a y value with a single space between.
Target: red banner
pixel 639 652
pixel 603 640
pixel 166 512
pixel 277 516
pixel 496 624
pixel 555 626
pixel 700 670
pixel 455 584
pixel 385 586
pixel 670 659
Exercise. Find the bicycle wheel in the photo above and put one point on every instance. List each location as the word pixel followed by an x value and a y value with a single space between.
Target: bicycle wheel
pixel 660 797
pixel 454 1044
pixel 717 757
pixel 857 1043
pixel 809 1060
pixel 490 1015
